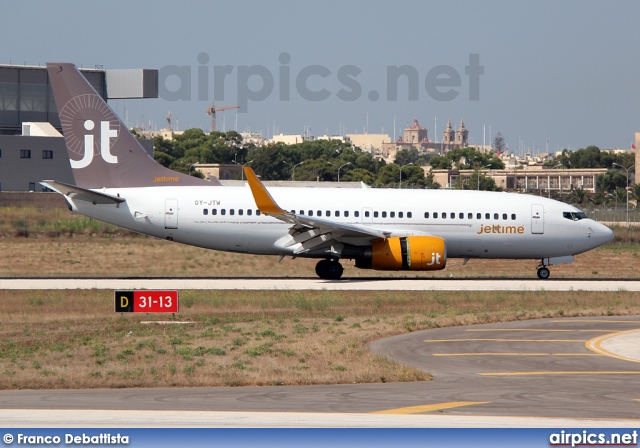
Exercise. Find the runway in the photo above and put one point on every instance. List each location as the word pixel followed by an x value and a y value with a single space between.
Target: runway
pixel 360 284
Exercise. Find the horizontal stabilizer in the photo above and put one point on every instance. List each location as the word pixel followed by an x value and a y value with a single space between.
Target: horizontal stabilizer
pixel 82 194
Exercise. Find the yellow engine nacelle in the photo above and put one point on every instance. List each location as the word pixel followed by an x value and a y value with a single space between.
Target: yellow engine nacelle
pixel 415 253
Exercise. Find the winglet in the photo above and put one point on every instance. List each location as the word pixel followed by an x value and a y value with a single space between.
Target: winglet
pixel 263 199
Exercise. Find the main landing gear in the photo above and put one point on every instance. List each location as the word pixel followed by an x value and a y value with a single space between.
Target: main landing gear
pixel 543 271
pixel 329 269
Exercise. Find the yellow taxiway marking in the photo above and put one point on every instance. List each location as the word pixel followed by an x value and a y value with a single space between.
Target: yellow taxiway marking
pixel 429 407
pixel 612 372
pixel 504 340
pixel 540 330
pixel 516 354
pixel 595 345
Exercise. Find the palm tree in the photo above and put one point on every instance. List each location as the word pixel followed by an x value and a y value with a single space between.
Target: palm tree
pixel 577 196
pixel 635 192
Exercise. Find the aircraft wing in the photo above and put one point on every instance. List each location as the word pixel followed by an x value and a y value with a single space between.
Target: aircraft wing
pixel 82 194
pixel 309 231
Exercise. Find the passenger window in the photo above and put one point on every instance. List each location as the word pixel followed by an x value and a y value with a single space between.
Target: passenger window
pixel 205 212
pixel 302 212
pixel 487 216
pixel 241 212
pixel 435 214
pixel 232 212
pixel 356 214
pixel 337 214
pixel 223 211
pixel 504 216
pixel 214 211
pixel 249 212
pixel 444 215
pixel 366 214
pixel 453 215
pixel 384 214
pixel 470 216
pixel 400 215
pixel 461 215
pixel 426 214
pixel 327 213
pixel 319 213
pixel 258 213
pixel 496 216
pixel 478 215
pixel 513 216
pixel 408 214
pixel 293 211
pixel 310 212
pixel 375 214
pixel 346 213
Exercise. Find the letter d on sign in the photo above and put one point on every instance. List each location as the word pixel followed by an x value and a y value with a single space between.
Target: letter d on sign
pixel 124 301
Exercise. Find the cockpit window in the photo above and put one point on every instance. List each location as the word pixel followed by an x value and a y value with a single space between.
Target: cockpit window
pixel 574 216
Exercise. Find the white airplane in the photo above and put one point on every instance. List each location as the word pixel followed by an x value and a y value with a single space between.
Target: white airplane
pixel 116 181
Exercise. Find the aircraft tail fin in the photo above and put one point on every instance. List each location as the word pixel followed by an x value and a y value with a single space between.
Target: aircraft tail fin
pixel 102 151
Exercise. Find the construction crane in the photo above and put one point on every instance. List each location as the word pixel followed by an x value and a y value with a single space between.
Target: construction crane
pixel 212 111
pixel 169 128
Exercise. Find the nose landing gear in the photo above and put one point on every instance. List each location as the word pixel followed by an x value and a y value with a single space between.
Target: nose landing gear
pixel 329 269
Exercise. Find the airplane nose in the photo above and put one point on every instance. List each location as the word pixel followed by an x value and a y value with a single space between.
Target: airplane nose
pixel 600 234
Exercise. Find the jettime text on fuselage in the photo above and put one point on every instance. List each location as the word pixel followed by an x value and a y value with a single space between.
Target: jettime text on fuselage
pixel 501 229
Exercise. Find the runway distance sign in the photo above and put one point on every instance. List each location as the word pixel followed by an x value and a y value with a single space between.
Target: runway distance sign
pixel 146 301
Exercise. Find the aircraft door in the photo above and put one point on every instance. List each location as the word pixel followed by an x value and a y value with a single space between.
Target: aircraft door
pixel 537 219
pixel 171 214
pixel 367 215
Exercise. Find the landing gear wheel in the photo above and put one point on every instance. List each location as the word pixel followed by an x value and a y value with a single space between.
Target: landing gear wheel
pixel 321 268
pixel 543 273
pixel 334 270
pixel 329 270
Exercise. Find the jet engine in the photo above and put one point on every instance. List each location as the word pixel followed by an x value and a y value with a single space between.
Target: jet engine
pixel 414 253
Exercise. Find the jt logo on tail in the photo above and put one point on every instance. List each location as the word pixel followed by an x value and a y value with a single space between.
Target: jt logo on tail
pixel 106 133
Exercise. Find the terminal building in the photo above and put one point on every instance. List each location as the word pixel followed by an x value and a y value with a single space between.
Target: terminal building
pixel 540 180
pixel 31 144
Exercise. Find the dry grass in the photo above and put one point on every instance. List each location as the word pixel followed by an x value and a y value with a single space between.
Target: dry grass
pixel 72 339
pixel 126 255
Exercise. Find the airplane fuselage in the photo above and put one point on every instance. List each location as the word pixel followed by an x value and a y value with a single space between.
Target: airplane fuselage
pixel 473 224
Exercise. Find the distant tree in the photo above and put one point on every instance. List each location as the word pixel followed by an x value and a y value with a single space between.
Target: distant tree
pixel 411 155
pixel 635 193
pixel 413 176
pixel 593 157
pixel 612 179
pixel 486 183
pixel 440 163
pixel 358 175
pixel 621 195
pixel 430 181
pixel 577 196
pixel 389 175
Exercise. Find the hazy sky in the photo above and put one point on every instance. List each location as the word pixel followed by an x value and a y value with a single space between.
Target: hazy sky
pixel 557 73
